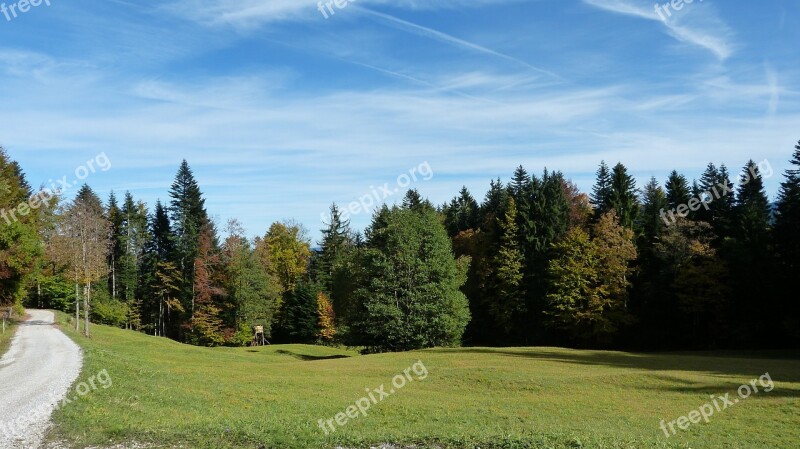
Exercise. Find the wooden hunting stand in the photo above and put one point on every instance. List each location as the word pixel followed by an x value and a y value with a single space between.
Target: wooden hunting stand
pixel 259 339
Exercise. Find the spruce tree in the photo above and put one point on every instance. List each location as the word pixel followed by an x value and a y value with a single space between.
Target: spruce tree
pixel 623 198
pixel 601 192
pixel 707 188
pixel 751 259
pixel 725 205
pixel 462 213
pixel 677 190
pixel 188 216
pixel 787 247
pixel 520 184
pixel 160 286
pixel 413 200
pixel 134 234
pixel 752 209
pixel 654 205
pixel 337 240
pixel 117 244
pixel 508 300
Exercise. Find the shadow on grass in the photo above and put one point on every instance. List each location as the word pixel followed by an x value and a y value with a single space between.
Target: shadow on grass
pixel 781 369
pixel 310 358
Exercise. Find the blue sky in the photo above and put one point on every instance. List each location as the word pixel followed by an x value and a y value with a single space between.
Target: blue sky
pixel 281 111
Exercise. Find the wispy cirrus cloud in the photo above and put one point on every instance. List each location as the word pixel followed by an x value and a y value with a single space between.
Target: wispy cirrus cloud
pixel 696 24
pixel 250 13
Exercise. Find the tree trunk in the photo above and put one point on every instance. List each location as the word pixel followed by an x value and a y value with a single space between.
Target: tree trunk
pixel 113 276
pixel 160 327
pixel 77 307
pixel 86 310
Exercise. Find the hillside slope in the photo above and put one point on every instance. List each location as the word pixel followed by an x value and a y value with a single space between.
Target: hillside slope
pixel 166 394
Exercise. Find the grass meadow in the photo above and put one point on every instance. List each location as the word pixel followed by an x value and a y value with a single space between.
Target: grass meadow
pixel 166 394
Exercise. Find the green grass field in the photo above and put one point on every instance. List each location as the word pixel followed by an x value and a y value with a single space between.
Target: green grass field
pixel 171 395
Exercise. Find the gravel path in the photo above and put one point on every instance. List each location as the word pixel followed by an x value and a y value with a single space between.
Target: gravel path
pixel 35 375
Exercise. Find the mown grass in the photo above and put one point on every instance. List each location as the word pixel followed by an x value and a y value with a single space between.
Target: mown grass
pixel 169 395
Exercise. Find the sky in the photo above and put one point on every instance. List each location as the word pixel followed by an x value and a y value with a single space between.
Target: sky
pixel 282 107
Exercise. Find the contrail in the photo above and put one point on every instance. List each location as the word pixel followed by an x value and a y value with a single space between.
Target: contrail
pixel 438 35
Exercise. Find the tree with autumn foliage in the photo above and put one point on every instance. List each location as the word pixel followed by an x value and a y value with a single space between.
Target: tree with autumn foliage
pixel 589 281
pixel 205 323
pixel 327 318
pixel 252 292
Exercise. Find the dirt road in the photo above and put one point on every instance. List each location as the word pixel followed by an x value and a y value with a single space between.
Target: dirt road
pixel 35 375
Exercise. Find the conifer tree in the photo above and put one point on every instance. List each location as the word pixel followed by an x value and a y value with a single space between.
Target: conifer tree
pixel 160 286
pixel 724 205
pixel 188 216
pixel 652 218
pixel 462 213
pixel 707 186
pixel 337 242
pixel 116 251
pixel 134 235
pixel 677 190
pixel 602 190
pixel 751 259
pixel 509 297
pixel 624 200
pixel 787 247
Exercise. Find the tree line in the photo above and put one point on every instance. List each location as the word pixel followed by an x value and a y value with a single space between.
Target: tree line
pixel 707 264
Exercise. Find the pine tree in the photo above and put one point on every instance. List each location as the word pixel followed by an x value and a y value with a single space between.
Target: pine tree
pixel 602 190
pixel 117 244
pixel 480 246
pixel 677 190
pixel 413 200
pixel 160 286
pixel 520 184
pixel 787 247
pixel 751 259
pixel 724 205
pixel 509 298
pixel 337 241
pixel 707 188
pixel 462 213
pixel 654 205
pixel 623 198
pixel 299 321
pixel 188 216
pixel 752 209
pixel 134 234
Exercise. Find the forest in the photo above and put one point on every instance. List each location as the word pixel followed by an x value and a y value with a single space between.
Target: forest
pixel 704 264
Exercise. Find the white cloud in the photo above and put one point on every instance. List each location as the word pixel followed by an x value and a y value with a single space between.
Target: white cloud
pixel 695 24
pixel 249 13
